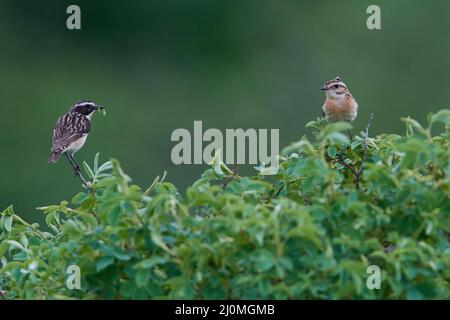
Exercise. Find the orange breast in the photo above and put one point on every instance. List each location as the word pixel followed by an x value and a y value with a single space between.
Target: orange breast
pixel 340 110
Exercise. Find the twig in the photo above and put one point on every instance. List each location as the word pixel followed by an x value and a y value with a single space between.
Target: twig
pixel 306 201
pixel 77 170
pixel 231 177
pixel 139 219
pixel 349 167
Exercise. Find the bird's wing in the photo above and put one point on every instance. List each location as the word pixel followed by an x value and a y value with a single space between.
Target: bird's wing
pixel 69 128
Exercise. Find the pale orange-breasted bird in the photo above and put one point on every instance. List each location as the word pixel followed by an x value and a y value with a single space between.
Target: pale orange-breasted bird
pixel 339 103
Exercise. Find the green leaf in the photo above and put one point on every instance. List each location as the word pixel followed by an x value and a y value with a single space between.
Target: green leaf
pixel 118 253
pixel 8 223
pixel 24 240
pixel 142 277
pixel 442 116
pixel 114 216
pixel 332 128
pixel 15 244
pixel 339 138
pixel 97 155
pixel 12 265
pixel 332 151
pixel 3 248
pixel 151 262
pixel 79 198
pixel 217 169
pixel 310 124
pixel 356 143
pixel 88 170
pixel 265 260
pixel 104 262
pixel 415 125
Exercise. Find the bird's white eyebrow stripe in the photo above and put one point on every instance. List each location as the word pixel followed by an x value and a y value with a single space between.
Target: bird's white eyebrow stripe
pixel 84 103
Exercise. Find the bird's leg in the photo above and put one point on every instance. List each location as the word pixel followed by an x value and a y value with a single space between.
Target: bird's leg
pixel 75 166
pixel 77 170
pixel 71 162
pixel 350 134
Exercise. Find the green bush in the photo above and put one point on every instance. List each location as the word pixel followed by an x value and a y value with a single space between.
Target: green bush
pixel 310 231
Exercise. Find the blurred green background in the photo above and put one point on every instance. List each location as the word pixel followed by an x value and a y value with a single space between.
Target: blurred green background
pixel 160 65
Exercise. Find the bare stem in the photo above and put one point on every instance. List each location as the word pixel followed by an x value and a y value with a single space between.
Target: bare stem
pixel 348 166
pixel 77 170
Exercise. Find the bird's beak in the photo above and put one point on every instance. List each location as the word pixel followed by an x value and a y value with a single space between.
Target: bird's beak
pixel 323 88
pixel 99 107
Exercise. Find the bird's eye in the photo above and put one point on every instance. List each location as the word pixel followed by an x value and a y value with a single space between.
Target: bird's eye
pixel 336 86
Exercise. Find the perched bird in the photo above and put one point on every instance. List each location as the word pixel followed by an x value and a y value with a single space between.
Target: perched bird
pixel 71 131
pixel 339 103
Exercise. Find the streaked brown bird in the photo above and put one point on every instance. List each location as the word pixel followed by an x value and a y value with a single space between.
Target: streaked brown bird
pixel 71 131
pixel 339 103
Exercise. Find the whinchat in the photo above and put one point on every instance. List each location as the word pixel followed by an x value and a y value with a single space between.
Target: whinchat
pixel 339 103
pixel 71 131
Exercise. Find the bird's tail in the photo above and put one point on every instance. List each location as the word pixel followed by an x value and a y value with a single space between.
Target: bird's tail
pixel 54 156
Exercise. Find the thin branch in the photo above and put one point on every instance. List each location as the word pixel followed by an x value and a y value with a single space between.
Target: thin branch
pixel 306 201
pixel 141 222
pixel 232 176
pixel 348 166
